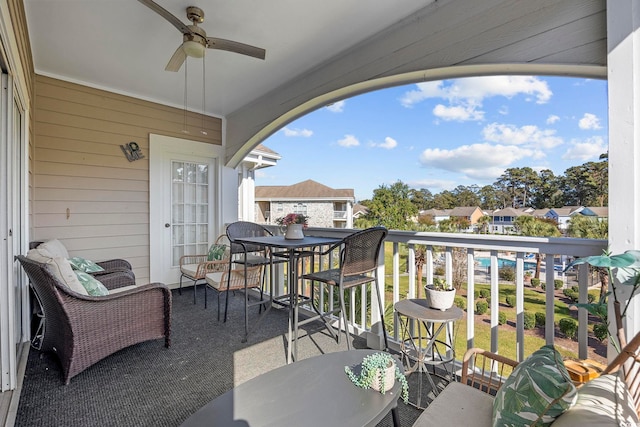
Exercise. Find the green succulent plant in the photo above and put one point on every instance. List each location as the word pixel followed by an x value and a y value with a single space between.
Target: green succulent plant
pixel 373 367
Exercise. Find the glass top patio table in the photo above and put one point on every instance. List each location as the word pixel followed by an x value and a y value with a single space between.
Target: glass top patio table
pixel 293 249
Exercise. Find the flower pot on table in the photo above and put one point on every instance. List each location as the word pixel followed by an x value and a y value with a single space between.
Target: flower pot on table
pixel 440 299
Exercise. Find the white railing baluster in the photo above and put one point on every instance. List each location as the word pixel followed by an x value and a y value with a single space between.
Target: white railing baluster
pixel 495 296
pixel 583 314
pixel 549 325
pixel 471 288
pixel 520 306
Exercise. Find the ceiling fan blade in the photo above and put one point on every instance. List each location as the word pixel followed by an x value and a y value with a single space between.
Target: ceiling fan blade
pixel 231 46
pixel 176 60
pixel 166 15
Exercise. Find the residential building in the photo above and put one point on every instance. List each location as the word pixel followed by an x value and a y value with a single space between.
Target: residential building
pixel 325 206
pixel 470 213
pixel 503 221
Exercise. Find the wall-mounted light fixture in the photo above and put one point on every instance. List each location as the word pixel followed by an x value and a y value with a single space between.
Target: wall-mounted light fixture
pixel 132 151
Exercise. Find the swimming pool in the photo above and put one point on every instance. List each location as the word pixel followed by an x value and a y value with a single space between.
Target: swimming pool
pixel 503 262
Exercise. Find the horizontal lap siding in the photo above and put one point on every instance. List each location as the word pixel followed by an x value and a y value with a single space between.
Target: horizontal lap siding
pixel 85 192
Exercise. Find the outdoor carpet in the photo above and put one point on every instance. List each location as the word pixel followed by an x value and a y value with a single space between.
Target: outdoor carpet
pixel 150 385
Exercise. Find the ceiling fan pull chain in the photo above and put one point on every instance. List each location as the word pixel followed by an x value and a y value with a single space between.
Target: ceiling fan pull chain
pixel 203 94
pixel 184 126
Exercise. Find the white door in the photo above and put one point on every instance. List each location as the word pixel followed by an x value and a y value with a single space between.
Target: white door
pixel 184 187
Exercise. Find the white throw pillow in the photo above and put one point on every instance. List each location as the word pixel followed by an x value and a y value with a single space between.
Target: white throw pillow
pixel 61 270
pixel 53 248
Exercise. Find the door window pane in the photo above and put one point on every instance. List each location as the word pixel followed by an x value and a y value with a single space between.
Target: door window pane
pixel 190 210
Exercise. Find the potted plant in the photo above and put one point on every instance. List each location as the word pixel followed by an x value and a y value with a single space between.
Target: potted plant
pixel 379 372
pixel 292 225
pixel 621 270
pixel 440 295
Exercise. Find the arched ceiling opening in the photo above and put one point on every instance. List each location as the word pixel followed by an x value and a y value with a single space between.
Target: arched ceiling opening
pixel 446 39
pixel 595 72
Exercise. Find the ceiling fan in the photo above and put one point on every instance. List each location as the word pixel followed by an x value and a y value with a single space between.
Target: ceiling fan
pixel 195 40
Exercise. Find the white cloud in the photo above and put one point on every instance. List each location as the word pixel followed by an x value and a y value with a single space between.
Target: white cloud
pixel 349 141
pixel 432 184
pixel 389 143
pixel 459 113
pixel 336 107
pixel 589 149
pixel 478 88
pixel 552 119
pixel 424 91
pixel 504 110
pixel 478 161
pixel 528 135
pixel 589 122
pixel 305 133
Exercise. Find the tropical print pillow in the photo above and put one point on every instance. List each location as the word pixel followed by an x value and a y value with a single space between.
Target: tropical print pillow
pixel 216 252
pixel 92 285
pixel 538 390
pixel 85 265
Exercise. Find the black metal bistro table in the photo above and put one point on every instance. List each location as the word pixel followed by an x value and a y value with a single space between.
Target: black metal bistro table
pixel 294 248
pixel 313 392
pixel 421 346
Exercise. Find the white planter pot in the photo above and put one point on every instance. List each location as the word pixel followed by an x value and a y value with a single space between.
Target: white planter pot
pixel 440 300
pixel 389 379
pixel 294 232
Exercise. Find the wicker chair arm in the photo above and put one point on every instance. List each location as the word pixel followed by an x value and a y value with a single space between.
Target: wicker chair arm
pixel 212 266
pixel 485 370
pixel 117 279
pixel 235 278
pixel 192 259
pixel 114 265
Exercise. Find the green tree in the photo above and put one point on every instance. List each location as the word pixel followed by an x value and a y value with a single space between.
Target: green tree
pixel 587 184
pixel 483 224
pixel 466 196
pixel 444 200
pixel 588 227
pixel 391 206
pixel 536 227
pixel 548 193
pixel 490 197
pixel 520 185
pixel 422 198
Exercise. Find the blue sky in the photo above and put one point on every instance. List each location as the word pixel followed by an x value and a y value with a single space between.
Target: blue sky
pixel 442 134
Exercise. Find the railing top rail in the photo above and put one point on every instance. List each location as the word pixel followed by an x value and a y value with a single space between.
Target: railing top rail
pixel 499 242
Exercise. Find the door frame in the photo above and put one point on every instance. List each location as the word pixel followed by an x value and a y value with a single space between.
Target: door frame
pixel 162 149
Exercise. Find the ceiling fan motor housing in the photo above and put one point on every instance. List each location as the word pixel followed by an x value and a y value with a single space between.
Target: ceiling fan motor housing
pixel 195 43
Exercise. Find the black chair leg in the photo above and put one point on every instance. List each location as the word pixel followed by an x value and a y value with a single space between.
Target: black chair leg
pixel 180 288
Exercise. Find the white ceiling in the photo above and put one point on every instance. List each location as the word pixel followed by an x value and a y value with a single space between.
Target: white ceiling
pixel 123 46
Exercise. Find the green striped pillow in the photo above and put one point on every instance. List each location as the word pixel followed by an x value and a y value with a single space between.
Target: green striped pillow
pixel 538 390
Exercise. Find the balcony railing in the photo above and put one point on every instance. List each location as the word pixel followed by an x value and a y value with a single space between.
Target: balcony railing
pixel 340 215
pixel 440 249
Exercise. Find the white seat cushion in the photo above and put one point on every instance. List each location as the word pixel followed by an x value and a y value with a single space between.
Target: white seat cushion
pixel 214 279
pixel 458 405
pixel 189 269
pixel 603 401
pixel 61 270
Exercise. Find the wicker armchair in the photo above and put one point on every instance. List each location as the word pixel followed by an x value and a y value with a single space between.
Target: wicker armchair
pixel 114 269
pixel 83 330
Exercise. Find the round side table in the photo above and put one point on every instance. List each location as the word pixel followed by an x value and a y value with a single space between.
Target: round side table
pixel 423 345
